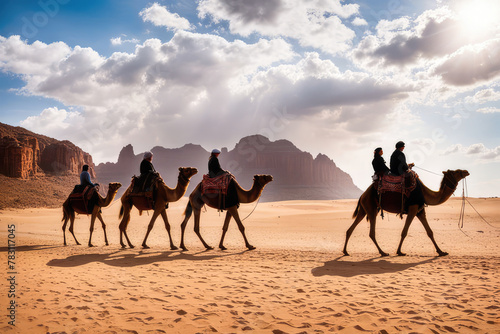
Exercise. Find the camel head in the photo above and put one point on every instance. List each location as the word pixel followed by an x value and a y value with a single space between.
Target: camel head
pixel 187 172
pixel 452 177
pixel 114 186
pixel 262 179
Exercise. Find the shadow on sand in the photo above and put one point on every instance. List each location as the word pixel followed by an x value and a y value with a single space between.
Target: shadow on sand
pixel 343 267
pixel 30 248
pixel 121 259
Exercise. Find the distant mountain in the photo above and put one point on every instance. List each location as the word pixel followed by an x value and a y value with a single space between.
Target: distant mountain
pixel 297 175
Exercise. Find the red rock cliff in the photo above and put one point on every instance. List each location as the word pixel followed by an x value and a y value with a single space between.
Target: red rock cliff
pixel 24 154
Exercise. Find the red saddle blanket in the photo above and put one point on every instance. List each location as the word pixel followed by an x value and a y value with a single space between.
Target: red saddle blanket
pixel 83 201
pixel 405 183
pixel 215 185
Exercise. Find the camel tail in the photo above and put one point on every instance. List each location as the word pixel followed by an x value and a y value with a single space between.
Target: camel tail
pixel 120 215
pixel 189 210
pixel 357 209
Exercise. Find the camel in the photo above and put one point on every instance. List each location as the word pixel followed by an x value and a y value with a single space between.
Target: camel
pixel 164 195
pixel 367 206
pixel 197 200
pixel 69 213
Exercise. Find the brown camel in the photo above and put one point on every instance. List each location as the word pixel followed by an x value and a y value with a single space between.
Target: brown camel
pixel 197 200
pixel 367 206
pixel 69 213
pixel 163 195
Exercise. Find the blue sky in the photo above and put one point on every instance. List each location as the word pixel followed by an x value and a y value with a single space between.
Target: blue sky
pixel 334 77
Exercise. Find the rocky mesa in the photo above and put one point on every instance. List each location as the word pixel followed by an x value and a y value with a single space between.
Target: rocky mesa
pixel 24 154
pixel 297 175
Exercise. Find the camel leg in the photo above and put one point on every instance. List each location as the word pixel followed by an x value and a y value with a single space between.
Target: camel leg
pixel 92 222
pixel 71 224
pixel 423 219
pixel 373 219
pixel 156 213
pixel 359 217
pixel 124 224
pixel 224 230
pixel 99 216
pixel 65 220
pixel 189 211
pixel 197 214
pixel 412 211
pixel 167 227
pixel 234 212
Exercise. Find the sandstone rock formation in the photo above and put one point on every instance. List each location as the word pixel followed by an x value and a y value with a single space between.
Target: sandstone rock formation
pixel 24 154
pixel 297 175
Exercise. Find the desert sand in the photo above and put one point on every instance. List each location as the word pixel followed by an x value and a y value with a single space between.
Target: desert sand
pixel 296 281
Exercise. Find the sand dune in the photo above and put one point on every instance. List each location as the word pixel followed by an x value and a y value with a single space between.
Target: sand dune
pixel 296 281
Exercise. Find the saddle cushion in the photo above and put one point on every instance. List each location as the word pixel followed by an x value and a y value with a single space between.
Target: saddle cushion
pixel 83 199
pixel 215 185
pixel 405 183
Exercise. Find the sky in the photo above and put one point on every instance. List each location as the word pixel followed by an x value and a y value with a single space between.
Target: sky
pixel 339 78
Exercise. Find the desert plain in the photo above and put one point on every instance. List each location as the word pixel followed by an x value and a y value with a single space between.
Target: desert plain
pixel 295 281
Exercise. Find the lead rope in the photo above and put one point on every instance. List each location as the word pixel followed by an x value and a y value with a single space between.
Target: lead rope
pixel 255 207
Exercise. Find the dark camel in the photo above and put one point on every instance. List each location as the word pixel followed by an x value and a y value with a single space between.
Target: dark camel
pixel 367 206
pixel 197 200
pixel 69 213
pixel 163 196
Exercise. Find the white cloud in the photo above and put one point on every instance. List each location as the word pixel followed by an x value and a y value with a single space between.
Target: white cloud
pixel 478 151
pixel 119 41
pixel 314 23
pixel 359 22
pixel 160 16
pixel 488 110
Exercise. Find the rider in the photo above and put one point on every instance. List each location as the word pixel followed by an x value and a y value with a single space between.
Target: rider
pixel 214 168
pixel 378 162
pixel 85 177
pixel 398 160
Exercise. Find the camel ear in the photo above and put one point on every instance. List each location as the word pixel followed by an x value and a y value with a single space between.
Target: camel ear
pixel 180 168
pixel 444 172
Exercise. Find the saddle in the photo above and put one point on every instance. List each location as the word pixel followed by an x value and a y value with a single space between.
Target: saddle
pixel 221 186
pixel 83 199
pixel 397 192
pixel 144 188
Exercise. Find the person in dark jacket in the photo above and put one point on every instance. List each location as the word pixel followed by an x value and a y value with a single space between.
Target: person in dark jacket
pixel 146 164
pixel 85 177
pixel 214 168
pixel 398 160
pixel 378 162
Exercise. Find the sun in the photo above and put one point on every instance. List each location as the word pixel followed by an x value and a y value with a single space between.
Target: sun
pixel 478 18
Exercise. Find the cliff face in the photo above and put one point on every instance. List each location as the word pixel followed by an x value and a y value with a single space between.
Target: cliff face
pixel 24 154
pixel 297 175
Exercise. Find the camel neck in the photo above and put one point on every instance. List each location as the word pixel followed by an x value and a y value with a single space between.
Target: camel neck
pixel 251 195
pixel 438 197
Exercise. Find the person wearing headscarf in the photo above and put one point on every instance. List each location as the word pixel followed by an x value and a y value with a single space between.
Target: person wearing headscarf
pixel 146 164
pixel 214 168
pixel 378 162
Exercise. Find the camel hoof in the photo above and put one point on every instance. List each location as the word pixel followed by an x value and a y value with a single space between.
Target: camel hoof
pixel 174 248
pixel 443 253
pixel 209 247
pixel 345 253
pixel 384 254
pixel 184 249
pixel 90 245
pixel 144 246
pixel 131 246
pixel 222 248
pixel 250 247
pixel 401 254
